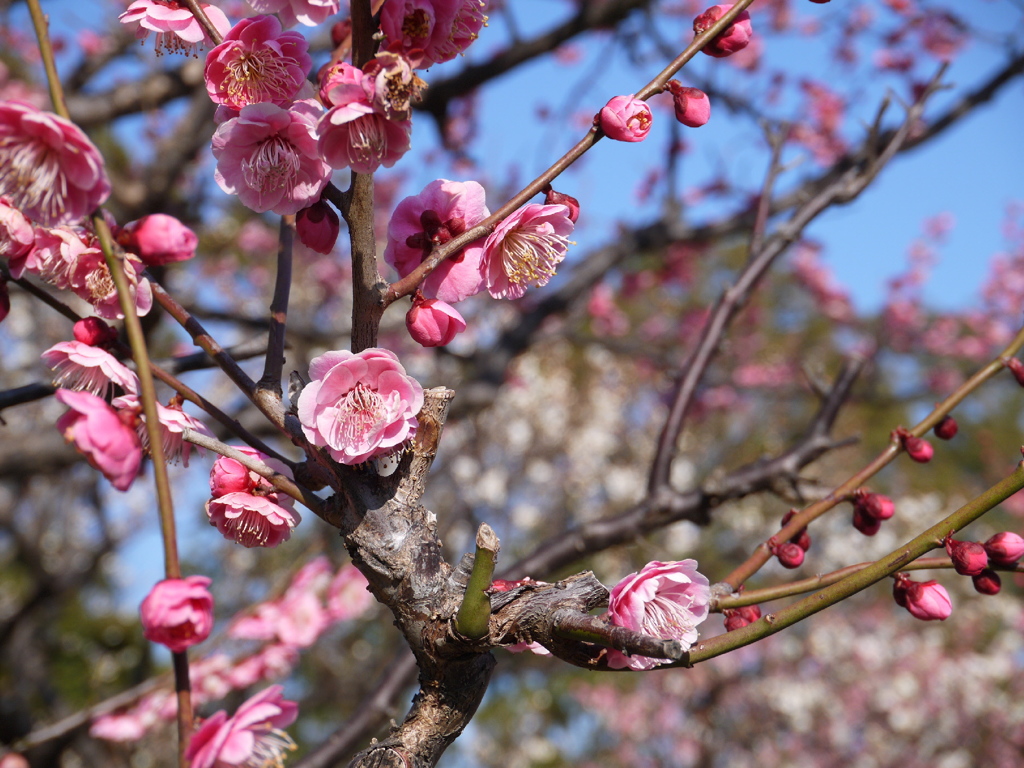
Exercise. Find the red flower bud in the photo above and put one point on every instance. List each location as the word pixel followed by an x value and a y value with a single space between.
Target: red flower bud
pixel 801 538
pixel 692 106
pixel 987 582
pixel 969 557
pixel 926 600
pixel 1017 369
pixel 919 450
pixel 94 332
pixel 434 323
pixel 318 226
pixel 734 38
pixel 873 505
pixel 865 523
pixel 1004 548
pixel 947 428
pixel 551 197
pixel 789 554
pixel 737 618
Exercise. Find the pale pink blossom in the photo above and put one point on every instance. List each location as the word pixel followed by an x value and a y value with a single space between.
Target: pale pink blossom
pixel 48 167
pixel 625 118
pixel 309 13
pixel 525 249
pixel 735 37
pixel 178 613
pixel 14 760
pixel 268 157
pixel 257 62
pixel 443 210
pixel 90 369
pixel 252 737
pixel 269 663
pixel 359 406
pixel 356 136
pixel 433 323
pixel 173 423
pixel 16 236
pixel 177 30
pixel 665 600
pixel 90 279
pixel 927 600
pixel 102 436
pixel 348 594
pixel 317 227
pixel 251 520
pixel 158 239
pixel 56 250
pixel 131 724
pixel 437 30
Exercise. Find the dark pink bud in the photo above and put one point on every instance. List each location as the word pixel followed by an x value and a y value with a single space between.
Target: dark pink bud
pixel 947 428
pixel 734 38
pixel 926 600
pixel 801 538
pixel 919 450
pixel 692 106
pixel 789 554
pixel 864 523
pixel 874 505
pixel 318 226
pixel 340 32
pixel 1017 369
pixel 969 557
pixel 750 612
pixel 434 323
pixel 557 198
pixel 94 332
pixel 5 300
pixel 159 239
pixel 987 582
pixel 1004 548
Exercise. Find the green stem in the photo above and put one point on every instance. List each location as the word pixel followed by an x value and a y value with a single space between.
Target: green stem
pixel 860 580
pixel 474 614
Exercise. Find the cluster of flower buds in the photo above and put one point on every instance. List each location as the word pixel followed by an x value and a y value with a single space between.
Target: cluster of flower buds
pixel 927 600
pixel 791 553
pixel 869 510
pixel 978 561
pixel 737 618
pixel 246 507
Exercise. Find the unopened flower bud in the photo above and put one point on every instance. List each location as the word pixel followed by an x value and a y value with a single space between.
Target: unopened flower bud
pixel 926 600
pixel 969 557
pixel 801 538
pixel 318 226
pixel 94 332
pixel 625 118
pixel 919 450
pixel 159 239
pixel 789 554
pixel 1004 548
pixel 874 505
pixel 737 618
pixel 947 428
pixel 692 106
pixel 434 323
pixel 864 523
pixel 734 38
pixel 1017 369
pixel 987 582
pixel 557 198
pixel 340 32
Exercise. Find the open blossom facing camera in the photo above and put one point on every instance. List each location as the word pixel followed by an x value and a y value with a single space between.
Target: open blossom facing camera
pixel 525 249
pixel 268 157
pixel 625 118
pixel 359 406
pixel 664 600
pixel 246 507
pixel 49 169
pixel 443 210
pixel 357 136
pixel 106 437
pixel 439 30
pixel 257 62
pixel 178 613
pixel 177 30
pixel 251 737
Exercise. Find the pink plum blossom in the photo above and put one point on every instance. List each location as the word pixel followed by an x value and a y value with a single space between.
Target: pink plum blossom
pixel 341 84
pixel 49 169
pixel 433 323
pixel 356 136
pixel 101 434
pixel 252 736
pixel 394 85
pixel 56 250
pixel 736 36
pixel 443 210
pixel 625 118
pixel 90 279
pixel 177 30
pixel 348 594
pixel 178 613
pixel 133 723
pixel 173 422
pixel 90 369
pixel 438 30
pixel 665 600
pixel 525 249
pixel 692 106
pixel 309 13
pixel 926 600
pixel 268 157
pixel 318 226
pixel 16 235
pixel 158 239
pixel 231 476
pixel 251 520
pixel 257 62
pixel 359 406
